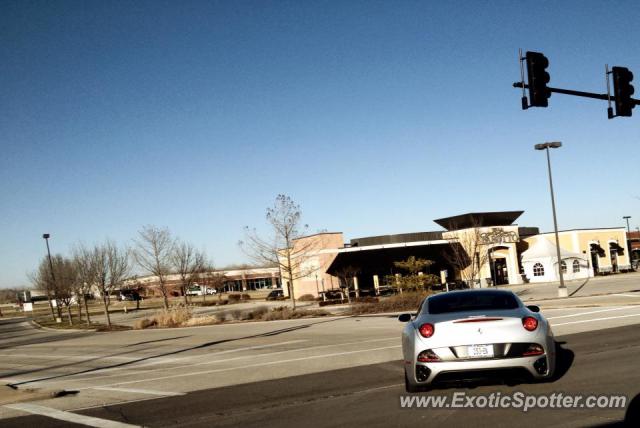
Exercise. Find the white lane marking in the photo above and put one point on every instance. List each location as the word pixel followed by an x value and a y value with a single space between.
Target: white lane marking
pixel 13 380
pixel 68 357
pixel 170 360
pixel 90 378
pixel 228 351
pixel 628 295
pixel 140 400
pixel 67 416
pixel 140 391
pixel 244 367
pixel 379 388
pixel 160 360
pixel 590 312
pixel 596 319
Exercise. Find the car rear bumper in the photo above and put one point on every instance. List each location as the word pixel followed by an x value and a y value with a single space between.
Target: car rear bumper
pixel 533 367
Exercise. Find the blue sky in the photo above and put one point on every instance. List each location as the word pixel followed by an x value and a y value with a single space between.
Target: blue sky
pixel 376 117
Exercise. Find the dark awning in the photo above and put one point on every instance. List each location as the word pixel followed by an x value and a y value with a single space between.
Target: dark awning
pixel 616 246
pixel 596 248
pixel 379 259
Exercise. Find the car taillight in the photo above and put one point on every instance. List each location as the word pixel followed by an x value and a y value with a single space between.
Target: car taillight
pixel 426 330
pixel 530 323
pixel 428 356
pixel 533 349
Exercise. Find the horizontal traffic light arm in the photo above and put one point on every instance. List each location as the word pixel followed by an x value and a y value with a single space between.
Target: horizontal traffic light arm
pixel 577 93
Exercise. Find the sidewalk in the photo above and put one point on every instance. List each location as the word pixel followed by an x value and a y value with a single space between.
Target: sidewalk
pixel 602 285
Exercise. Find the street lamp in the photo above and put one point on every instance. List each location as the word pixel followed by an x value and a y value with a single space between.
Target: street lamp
pixel 53 277
pixel 627 217
pixel 562 289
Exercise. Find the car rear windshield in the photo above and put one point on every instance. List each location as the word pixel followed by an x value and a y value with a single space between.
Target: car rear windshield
pixel 471 301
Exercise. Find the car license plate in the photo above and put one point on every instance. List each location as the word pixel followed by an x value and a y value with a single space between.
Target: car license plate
pixel 480 351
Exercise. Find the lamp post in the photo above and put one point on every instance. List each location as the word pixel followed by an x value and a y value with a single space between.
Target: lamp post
pixel 46 237
pixel 627 217
pixel 562 289
pixel 53 277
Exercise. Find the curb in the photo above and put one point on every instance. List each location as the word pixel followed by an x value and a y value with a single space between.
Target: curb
pixel 35 324
pixel 577 297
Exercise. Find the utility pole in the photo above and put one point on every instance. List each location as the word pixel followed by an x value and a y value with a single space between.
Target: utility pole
pixel 46 237
pixel 562 289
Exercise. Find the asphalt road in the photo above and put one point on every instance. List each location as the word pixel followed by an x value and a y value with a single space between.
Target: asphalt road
pixel 321 372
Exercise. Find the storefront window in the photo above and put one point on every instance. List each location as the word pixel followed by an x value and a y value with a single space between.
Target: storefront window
pixel 563 266
pixel 538 269
pixel 576 266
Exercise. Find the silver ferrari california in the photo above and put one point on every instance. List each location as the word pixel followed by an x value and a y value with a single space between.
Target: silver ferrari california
pixel 475 335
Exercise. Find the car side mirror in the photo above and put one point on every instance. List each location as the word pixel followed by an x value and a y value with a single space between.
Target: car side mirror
pixel 533 308
pixel 404 318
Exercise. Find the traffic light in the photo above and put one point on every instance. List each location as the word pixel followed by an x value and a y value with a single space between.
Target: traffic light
pixel 623 90
pixel 537 64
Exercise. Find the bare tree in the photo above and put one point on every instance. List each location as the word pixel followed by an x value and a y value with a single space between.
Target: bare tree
pixel 212 279
pixel 119 265
pixel 111 268
pixel 133 284
pixel 345 274
pixel 467 254
pixel 101 277
pixel 293 255
pixel 42 280
pixel 60 289
pixel 66 279
pixel 188 263
pixel 83 258
pixel 154 247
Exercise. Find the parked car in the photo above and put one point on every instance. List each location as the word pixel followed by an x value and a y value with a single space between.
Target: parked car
pixel 197 290
pixel 130 295
pixel 334 295
pixel 475 334
pixel 276 295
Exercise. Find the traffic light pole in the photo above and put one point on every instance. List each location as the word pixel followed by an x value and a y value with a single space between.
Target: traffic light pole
pixel 604 97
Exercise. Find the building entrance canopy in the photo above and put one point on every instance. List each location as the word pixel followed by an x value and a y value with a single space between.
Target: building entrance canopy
pixel 464 221
pixel 379 259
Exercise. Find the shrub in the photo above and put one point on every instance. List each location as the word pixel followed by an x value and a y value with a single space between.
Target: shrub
pixel 174 317
pixel 221 317
pixel 307 298
pixel 144 323
pixel 236 314
pixel 206 320
pixel 233 298
pixel 278 313
pixel 258 313
pixel 286 313
pixel 401 302
pixel 366 299
pixel 332 302
pixel 245 296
